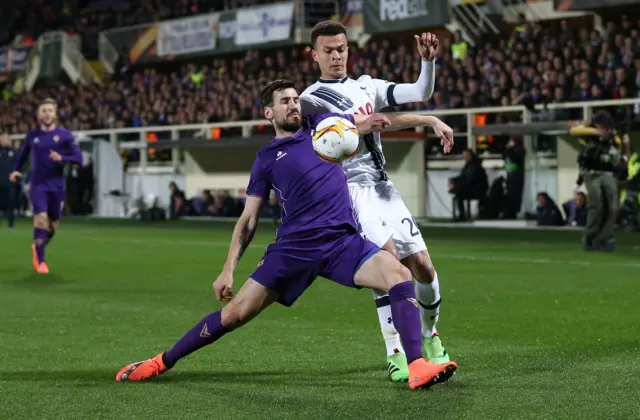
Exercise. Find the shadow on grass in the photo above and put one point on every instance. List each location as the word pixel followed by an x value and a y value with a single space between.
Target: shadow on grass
pixel 35 280
pixel 106 376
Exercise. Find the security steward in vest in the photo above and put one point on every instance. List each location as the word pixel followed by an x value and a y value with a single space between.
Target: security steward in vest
pixel 7 188
pixel 599 157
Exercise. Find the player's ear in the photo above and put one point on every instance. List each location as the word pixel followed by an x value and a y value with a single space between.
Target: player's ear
pixel 268 113
pixel 314 55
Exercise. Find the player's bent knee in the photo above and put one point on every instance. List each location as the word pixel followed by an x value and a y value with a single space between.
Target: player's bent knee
pixel 382 272
pixel 237 313
pixel 41 221
pixel 421 266
pixel 250 300
pixel 399 274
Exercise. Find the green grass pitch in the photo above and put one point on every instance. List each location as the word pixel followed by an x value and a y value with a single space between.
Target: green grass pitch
pixel 540 329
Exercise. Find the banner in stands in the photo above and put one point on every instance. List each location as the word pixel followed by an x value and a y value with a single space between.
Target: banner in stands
pixel 257 25
pixel 13 58
pixel 399 15
pixel 142 44
pixel 564 5
pixel 187 35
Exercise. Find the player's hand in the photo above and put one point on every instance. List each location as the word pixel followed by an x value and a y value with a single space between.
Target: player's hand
pixel 222 287
pixel 55 156
pixel 445 133
pixel 13 177
pixel 374 123
pixel 428 45
pixel 625 139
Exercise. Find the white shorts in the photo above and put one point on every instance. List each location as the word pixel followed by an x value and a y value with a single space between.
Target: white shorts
pixel 382 214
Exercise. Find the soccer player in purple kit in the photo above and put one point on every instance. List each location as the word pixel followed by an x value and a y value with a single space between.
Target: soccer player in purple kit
pixel 51 147
pixel 318 237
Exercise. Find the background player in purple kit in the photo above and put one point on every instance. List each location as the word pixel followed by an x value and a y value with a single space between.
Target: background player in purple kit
pixel 318 237
pixel 51 147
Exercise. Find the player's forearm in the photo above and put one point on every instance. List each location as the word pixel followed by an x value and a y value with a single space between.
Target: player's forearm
pixel 402 121
pixel 74 157
pixel 582 130
pixel 243 234
pixel 419 91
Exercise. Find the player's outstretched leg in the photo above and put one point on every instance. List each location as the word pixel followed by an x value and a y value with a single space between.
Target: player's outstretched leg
pixel 40 239
pixel 383 272
pixel 251 299
pixel 428 293
pixel 397 367
pixel 396 359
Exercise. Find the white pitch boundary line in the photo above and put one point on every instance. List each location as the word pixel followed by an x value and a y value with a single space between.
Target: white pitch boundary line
pixel 218 244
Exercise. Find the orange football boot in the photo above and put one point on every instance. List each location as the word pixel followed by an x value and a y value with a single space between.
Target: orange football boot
pixel 423 374
pixel 34 260
pixel 40 267
pixel 141 371
pixel 43 268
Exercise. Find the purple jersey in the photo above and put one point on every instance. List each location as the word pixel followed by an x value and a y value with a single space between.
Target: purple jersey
pixel 312 193
pixel 47 174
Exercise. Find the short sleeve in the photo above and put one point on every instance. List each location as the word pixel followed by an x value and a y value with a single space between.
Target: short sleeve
pixel 258 182
pixel 384 94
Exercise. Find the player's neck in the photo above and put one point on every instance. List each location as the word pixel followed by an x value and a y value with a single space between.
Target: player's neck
pixel 325 78
pixel 282 134
pixel 49 128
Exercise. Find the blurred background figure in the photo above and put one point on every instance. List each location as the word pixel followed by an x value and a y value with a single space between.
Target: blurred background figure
pixel 7 188
pixel 576 210
pixel 471 184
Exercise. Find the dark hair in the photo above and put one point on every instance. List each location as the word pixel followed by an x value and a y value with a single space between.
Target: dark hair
pixel 266 96
pixel 603 117
pixel 327 28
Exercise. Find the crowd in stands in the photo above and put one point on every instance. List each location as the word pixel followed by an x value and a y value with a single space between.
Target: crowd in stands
pixel 545 64
pixel 34 17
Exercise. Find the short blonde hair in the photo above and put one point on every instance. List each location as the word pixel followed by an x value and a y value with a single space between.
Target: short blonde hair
pixel 48 101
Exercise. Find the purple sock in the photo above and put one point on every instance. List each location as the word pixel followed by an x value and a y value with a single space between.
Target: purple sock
pixel 406 317
pixel 40 238
pixel 205 332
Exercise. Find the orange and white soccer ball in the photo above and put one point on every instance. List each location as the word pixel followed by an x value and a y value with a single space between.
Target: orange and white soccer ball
pixel 335 139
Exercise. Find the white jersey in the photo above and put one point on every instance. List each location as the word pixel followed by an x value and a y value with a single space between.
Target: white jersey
pixel 364 96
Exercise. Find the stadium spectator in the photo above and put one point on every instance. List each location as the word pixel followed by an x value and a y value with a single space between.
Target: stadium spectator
pixel 178 205
pixel 223 204
pixel 576 210
pixel 547 212
pixel 513 156
pixel 471 184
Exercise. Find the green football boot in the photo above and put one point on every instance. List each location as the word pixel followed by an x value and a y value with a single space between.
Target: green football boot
pixel 398 369
pixel 433 350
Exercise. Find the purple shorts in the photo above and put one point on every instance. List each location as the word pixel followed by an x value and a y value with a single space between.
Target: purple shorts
pixel 290 266
pixel 49 202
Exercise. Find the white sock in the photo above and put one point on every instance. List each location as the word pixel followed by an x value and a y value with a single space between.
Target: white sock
pixel 429 299
pixel 389 333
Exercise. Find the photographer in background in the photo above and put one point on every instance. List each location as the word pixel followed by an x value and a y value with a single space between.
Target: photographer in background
pixel 599 160
pixel 471 184
pixel 7 188
pixel 513 156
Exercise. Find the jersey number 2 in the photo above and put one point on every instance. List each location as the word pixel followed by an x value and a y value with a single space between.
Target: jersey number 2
pixel 413 228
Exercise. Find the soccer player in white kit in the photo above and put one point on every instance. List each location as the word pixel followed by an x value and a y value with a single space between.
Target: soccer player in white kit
pixel 380 210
